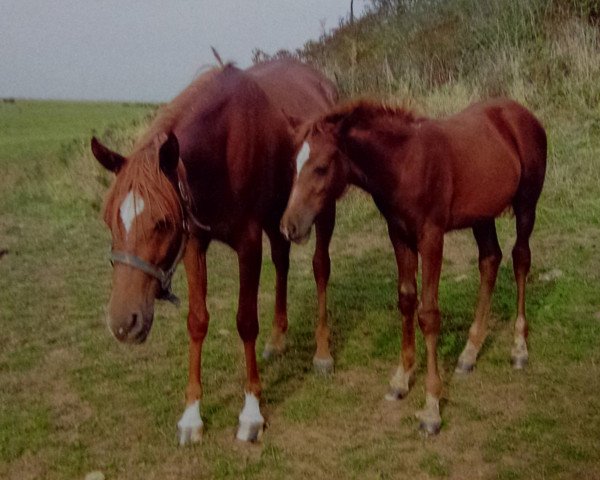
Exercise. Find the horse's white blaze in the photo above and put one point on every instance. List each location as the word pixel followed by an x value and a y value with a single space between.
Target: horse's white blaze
pixel 131 207
pixel 302 157
pixel 251 411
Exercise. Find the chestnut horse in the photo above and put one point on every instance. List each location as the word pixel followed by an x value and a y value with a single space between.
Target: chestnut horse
pixel 217 163
pixel 428 177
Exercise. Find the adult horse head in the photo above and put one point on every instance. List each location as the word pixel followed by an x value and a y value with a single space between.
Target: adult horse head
pixel 146 217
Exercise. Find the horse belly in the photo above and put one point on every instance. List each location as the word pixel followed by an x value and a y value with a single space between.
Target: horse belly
pixel 484 185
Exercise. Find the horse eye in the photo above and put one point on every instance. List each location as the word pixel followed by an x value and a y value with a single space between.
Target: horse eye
pixel 162 225
pixel 322 170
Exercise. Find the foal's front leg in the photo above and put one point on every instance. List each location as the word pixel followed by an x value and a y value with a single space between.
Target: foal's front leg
pixel 431 247
pixel 407 261
pixel 249 259
pixel 324 225
pixel 190 425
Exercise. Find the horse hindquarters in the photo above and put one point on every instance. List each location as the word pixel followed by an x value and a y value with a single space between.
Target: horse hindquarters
pixel 532 145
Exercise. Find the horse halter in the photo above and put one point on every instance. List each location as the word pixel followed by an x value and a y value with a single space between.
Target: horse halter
pixel 165 277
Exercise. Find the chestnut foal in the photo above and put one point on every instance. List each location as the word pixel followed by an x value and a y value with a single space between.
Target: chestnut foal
pixel 427 177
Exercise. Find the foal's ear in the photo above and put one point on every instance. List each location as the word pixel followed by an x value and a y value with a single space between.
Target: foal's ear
pixel 294 122
pixel 108 159
pixel 169 154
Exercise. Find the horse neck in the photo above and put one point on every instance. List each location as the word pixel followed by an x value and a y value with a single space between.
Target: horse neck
pixel 368 157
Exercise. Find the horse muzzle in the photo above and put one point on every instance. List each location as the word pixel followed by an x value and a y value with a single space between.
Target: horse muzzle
pixel 293 233
pixel 132 327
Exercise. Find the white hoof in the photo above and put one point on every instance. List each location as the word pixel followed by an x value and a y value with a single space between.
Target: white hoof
pixel 519 354
pixel 399 385
pixel 430 420
pixel 467 359
pixel 323 366
pixel 271 351
pixel 190 425
pixel 251 421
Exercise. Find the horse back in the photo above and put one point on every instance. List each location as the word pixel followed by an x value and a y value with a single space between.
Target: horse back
pixel 233 141
pixel 296 88
pixel 493 146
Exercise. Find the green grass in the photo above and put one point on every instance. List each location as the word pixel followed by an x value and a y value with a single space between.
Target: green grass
pixel 72 400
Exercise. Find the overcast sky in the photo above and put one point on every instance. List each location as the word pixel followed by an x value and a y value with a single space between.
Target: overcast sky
pixel 146 50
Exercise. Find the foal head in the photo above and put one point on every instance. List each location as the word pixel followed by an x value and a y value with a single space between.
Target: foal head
pixel 321 176
pixel 144 214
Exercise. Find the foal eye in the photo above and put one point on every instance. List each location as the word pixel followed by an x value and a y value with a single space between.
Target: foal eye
pixel 162 225
pixel 322 170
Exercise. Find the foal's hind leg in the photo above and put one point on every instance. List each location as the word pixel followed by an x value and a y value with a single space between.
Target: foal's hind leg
pixel 324 224
pixel 521 254
pixel 280 254
pixel 490 256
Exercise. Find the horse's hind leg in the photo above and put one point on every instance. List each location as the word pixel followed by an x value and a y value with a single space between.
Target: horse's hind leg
pixel 280 254
pixel 490 256
pixel 324 225
pixel 521 254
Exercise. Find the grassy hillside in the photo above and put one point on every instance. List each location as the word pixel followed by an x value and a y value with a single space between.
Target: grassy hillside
pixel 72 400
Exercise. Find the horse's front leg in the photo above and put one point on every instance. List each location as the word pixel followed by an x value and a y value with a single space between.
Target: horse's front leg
pixel 190 425
pixel 324 225
pixel 249 258
pixel 431 246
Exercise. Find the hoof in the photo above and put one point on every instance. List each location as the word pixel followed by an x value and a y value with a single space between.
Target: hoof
pixel 323 366
pixel 189 435
pixel 464 368
pixel 271 352
pixel 190 425
pixel 250 431
pixel 430 420
pixel 519 363
pixel 396 394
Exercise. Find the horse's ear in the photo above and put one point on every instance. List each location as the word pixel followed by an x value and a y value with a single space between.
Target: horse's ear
pixel 108 159
pixel 294 122
pixel 169 154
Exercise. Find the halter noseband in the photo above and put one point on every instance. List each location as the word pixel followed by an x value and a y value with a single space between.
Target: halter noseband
pixel 165 276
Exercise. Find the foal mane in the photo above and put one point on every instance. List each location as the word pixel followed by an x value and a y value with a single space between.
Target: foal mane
pixel 141 173
pixel 364 111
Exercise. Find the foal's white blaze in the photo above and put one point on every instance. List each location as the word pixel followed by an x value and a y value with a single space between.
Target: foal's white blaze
pixel 190 424
pixel 131 207
pixel 250 418
pixel 303 156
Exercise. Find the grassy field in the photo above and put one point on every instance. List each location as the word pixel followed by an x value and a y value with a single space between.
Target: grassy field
pixel 72 400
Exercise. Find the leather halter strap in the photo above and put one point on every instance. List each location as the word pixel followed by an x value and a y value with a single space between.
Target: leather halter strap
pixel 165 276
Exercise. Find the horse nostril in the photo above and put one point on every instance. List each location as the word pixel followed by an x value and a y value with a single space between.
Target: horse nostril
pixel 291 230
pixel 133 322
